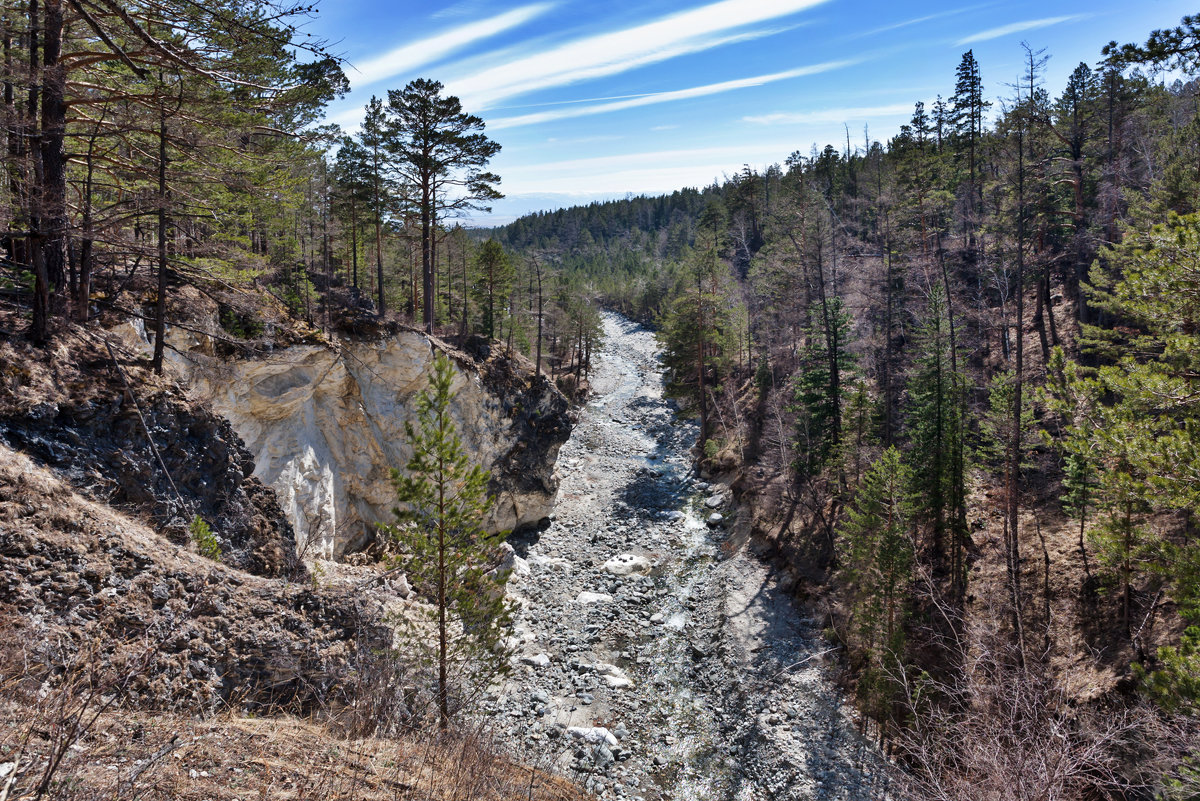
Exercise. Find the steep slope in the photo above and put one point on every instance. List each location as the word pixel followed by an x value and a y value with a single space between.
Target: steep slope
pixel 325 424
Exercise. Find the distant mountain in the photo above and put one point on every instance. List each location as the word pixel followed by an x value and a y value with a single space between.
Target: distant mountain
pixel 513 207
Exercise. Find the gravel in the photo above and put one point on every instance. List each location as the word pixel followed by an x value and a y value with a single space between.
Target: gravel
pixel 652 664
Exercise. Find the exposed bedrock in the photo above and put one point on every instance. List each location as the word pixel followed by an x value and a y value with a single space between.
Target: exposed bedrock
pixel 325 424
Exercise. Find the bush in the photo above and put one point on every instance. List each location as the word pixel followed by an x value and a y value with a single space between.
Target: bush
pixel 206 541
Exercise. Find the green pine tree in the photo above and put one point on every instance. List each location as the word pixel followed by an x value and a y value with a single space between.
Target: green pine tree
pixel 935 402
pixel 818 412
pixel 442 500
pixel 875 557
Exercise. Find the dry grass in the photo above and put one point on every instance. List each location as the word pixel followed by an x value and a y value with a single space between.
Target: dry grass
pixel 128 755
pixel 72 723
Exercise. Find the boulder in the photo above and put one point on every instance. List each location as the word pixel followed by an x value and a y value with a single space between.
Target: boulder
pixel 596 735
pixel 626 564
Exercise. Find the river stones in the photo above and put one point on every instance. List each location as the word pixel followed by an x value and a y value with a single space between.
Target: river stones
pixel 596 735
pixel 536 661
pixel 626 564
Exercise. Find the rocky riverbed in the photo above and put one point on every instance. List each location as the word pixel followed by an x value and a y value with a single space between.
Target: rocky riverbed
pixel 656 660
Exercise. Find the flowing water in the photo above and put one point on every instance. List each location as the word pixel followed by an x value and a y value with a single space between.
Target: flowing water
pixel 638 616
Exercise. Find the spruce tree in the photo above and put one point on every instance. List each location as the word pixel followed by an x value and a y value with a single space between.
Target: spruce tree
pixel 442 500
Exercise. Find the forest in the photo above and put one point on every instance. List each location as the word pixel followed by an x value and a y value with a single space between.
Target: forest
pixel 182 145
pixel 955 373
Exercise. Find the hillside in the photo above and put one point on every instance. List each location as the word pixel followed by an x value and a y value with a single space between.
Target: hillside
pixel 950 378
pixel 143 658
pixel 886 454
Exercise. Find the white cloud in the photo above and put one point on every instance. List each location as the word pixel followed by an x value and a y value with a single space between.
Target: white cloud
pixel 915 21
pixel 426 51
pixel 663 97
pixel 834 115
pixel 653 171
pixel 618 51
pixel 1018 27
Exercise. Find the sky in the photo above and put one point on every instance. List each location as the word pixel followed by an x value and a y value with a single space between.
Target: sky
pixel 597 99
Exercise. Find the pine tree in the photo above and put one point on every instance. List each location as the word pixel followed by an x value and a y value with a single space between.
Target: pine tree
pixel 442 500
pixel 1137 420
pixel 440 152
pixel 495 274
pixel 936 430
pixel 816 406
pixel 875 557
pixel 969 107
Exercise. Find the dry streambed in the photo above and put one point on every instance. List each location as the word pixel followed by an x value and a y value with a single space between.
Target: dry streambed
pixel 653 663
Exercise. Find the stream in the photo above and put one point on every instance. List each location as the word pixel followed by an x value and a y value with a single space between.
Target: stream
pixel 654 659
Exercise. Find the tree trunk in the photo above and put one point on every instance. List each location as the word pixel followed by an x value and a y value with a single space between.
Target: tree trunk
pixel 537 364
pixel 379 238
pixel 1014 454
pixel 354 240
pixel 427 223
pixel 160 307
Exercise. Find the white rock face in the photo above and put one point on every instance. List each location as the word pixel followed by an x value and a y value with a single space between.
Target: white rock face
pixel 325 424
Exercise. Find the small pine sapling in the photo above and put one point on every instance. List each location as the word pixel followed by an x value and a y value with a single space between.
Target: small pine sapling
pixel 442 501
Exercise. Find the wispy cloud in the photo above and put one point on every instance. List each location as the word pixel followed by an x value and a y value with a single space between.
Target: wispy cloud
pixel 652 171
pixel 1018 27
pixel 610 53
pixel 664 97
pixel 916 21
pixel 832 115
pixel 416 54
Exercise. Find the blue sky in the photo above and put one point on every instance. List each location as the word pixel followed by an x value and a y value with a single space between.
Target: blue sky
pixel 595 99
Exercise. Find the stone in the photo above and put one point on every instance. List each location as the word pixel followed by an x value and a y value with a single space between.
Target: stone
pixel 715 501
pixel 715 519
pixel 626 564
pixel 325 425
pixel 602 756
pixel 594 735
pixel 537 560
pixel 511 565
pixel 586 597
pixel 538 661
pixel 400 586
pixel 613 676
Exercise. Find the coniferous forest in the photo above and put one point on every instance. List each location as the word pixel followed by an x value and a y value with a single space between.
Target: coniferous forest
pixel 951 371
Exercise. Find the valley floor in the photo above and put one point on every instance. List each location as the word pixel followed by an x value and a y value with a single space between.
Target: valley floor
pixel 645 616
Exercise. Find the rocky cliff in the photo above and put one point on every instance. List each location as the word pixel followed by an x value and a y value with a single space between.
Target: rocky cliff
pixel 325 424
